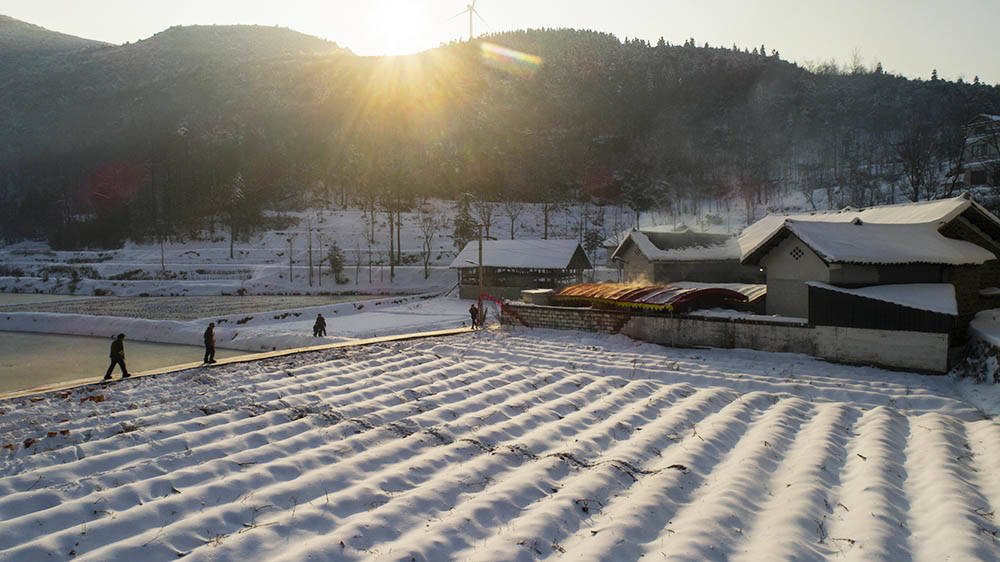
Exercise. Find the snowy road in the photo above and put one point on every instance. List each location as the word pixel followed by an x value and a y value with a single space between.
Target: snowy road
pixel 498 446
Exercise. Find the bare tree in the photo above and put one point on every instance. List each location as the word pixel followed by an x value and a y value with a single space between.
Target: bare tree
pixel 484 212
pixel 916 153
pixel 237 196
pixel 512 210
pixel 430 225
pixel 391 215
pixel 369 232
pixel 550 207
pixel 813 174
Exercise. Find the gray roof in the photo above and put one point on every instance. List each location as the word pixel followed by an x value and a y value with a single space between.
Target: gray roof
pixel 524 254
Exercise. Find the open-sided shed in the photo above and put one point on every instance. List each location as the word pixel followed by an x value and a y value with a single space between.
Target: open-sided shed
pixel 510 266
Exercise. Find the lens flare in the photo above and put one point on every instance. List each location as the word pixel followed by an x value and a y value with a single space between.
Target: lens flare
pixel 509 60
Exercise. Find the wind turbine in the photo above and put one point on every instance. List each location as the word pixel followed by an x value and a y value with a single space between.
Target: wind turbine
pixel 470 9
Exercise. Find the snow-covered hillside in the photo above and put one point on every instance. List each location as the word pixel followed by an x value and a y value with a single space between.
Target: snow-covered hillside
pixel 261 266
pixel 498 446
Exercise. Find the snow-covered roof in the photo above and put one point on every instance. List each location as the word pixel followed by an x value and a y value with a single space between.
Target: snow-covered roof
pixel 930 215
pixel 524 254
pixel 933 297
pixel 885 243
pixel 681 246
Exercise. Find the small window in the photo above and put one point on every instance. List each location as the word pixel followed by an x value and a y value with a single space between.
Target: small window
pixel 797 253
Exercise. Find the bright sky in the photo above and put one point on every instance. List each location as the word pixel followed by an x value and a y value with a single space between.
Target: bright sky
pixel 910 37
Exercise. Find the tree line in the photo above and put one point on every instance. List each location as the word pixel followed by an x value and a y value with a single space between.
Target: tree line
pixel 208 146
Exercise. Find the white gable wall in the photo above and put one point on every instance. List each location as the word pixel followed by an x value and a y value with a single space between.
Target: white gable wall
pixel 636 267
pixel 787 293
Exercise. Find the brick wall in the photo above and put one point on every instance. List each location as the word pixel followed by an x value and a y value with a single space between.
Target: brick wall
pixel 567 318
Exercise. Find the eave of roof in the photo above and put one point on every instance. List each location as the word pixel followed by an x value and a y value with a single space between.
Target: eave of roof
pixel 757 239
pixel 885 244
pixel 727 251
pixel 523 254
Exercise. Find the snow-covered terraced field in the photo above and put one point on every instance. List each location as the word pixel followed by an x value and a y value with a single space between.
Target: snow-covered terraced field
pixel 497 446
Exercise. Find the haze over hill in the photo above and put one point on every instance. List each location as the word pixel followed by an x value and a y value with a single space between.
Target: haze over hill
pixel 17 36
pixel 206 123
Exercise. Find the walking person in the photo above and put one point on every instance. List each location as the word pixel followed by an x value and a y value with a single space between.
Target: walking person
pixel 319 328
pixel 117 357
pixel 474 313
pixel 210 343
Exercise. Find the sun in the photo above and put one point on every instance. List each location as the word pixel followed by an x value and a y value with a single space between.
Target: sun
pixel 400 28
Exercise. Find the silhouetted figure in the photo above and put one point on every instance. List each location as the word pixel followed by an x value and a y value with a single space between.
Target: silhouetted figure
pixel 118 357
pixel 210 343
pixel 319 328
pixel 474 313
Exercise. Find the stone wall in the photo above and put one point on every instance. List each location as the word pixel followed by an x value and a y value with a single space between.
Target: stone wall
pixel 917 351
pixel 685 331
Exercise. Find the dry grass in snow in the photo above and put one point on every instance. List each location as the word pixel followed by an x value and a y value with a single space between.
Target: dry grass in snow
pixel 496 446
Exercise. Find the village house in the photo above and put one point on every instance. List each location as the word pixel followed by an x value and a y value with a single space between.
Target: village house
pixel 649 256
pixel 893 286
pixel 510 266
pixel 929 258
pixel 981 155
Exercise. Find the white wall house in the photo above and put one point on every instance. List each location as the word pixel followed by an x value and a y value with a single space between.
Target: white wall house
pixel 951 241
pixel 981 155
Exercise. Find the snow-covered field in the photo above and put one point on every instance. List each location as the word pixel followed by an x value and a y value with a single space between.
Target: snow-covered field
pixel 504 445
pixel 264 330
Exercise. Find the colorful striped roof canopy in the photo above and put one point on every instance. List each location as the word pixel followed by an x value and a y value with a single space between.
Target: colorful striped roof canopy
pixel 657 297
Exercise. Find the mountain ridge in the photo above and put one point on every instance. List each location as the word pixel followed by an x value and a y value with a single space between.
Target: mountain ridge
pixel 193 108
pixel 18 36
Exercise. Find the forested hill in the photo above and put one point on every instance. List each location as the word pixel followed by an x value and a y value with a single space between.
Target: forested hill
pixel 199 123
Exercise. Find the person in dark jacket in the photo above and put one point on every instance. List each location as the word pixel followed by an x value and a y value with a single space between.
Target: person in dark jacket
pixel 474 313
pixel 118 357
pixel 210 343
pixel 319 328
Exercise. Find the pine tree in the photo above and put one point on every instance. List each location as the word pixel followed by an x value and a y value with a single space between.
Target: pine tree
pixel 465 225
pixel 934 76
pixel 336 259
